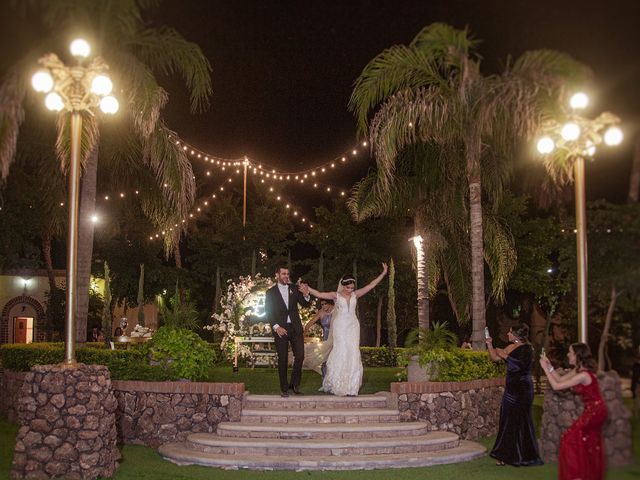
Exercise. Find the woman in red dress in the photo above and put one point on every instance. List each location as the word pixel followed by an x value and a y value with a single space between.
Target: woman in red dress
pixel 581 455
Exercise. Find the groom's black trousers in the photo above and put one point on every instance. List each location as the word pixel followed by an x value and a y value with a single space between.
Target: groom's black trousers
pixel 295 338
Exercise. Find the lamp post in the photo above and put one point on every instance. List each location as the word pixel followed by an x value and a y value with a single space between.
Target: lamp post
pixel 75 89
pixel 571 141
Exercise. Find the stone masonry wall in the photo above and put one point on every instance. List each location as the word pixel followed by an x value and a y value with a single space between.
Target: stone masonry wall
pixel 561 409
pixel 68 424
pixel 153 413
pixel 10 385
pixel 469 409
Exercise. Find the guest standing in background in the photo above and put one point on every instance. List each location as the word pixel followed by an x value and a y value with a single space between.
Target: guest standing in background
pixel 516 442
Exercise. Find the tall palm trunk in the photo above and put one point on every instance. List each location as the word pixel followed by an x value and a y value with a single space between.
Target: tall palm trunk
pixel 218 291
pixel 177 256
pixel 477 260
pixel 379 321
pixel 320 282
pixel 48 265
pixel 85 242
pixel 634 180
pixel 422 273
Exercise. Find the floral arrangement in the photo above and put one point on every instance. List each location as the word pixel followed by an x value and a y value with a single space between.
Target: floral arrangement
pixel 140 331
pixel 244 298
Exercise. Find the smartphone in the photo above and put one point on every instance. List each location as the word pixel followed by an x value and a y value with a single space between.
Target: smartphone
pixel 486 332
pixel 543 353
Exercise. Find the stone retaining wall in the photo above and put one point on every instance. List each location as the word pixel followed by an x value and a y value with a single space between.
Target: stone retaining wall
pixel 151 413
pixel 561 408
pixel 469 409
pixel 68 424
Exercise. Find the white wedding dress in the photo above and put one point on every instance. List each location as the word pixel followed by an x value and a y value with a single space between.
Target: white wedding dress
pixel 344 365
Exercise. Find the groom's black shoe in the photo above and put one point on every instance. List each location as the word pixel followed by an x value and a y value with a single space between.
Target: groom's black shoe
pixel 295 390
pixel 284 394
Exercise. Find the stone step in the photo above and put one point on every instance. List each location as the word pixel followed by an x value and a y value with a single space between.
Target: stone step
pixel 321 430
pixel 184 454
pixel 212 443
pixel 308 402
pixel 361 415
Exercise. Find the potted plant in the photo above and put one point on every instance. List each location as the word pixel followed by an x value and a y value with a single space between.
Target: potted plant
pixel 422 365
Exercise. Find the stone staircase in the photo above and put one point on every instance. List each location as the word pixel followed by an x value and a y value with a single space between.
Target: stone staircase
pixel 318 432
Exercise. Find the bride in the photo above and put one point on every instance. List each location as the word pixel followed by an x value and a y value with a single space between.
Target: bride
pixel 344 366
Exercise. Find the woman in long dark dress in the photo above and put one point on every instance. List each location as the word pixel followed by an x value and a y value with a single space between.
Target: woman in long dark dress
pixel 516 442
pixel 581 455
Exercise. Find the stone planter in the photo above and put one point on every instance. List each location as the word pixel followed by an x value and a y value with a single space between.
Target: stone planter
pixel 417 373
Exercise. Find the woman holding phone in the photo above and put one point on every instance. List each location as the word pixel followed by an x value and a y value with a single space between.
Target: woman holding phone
pixel 516 440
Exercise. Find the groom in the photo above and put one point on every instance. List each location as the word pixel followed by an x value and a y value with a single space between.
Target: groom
pixel 281 306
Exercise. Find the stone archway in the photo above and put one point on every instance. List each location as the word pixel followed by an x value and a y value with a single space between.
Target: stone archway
pixel 39 324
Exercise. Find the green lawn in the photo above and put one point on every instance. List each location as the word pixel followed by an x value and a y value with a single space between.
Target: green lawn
pixel 142 463
pixel 265 380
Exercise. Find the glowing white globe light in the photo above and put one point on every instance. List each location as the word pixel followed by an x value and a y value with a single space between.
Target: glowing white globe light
pixel 579 101
pixel 570 131
pixel 109 104
pixel 101 85
pixel 42 81
pixel 613 136
pixel 80 48
pixel 53 102
pixel 94 218
pixel 545 145
pixel 590 151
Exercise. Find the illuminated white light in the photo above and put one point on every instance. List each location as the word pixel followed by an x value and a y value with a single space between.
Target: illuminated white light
pixel 184 148
pixel 287 206
pixel 613 136
pixel 42 81
pixel 53 102
pixel 106 197
pixel 417 241
pixel 364 144
pixel 549 270
pixel 355 152
pixel 343 159
pixel 101 85
pixel 278 197
pixel 80 48
pixel 545 145
pixel 109 104
pixel 590 151
pixel 94 218
pixel 579 101
pixel 122 195
pixel 570 131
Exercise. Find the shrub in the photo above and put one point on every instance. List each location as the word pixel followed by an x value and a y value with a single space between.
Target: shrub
pixel 181 353
pixel 459 365
pixel 123 364
pixel 380 356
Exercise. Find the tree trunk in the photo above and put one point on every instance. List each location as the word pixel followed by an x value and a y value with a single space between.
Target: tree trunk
pixel 634 179
pixel 422 279
pixel 48 265
pixel 177 256
pixel 477 263
pixel 218 291
pixel 253 263
pixel 48 262
pixel 607 326
pixel 320 283
pixel 379 321
pixel 392 336
pixel 140 299
pixel 85 242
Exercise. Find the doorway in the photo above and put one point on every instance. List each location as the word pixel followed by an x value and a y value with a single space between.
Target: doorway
pixel 22 329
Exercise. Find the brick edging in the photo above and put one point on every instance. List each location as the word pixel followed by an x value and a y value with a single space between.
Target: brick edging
pixel 439 387
pixel 179 387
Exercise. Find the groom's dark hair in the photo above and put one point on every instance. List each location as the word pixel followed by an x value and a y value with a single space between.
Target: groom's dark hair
pixel 280 267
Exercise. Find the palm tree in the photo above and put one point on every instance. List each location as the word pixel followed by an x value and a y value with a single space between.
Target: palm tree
pixel 433 91
pixel 140 149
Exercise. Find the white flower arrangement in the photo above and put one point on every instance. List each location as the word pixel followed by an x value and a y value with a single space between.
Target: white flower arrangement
pixel 242 300
pixel 140 331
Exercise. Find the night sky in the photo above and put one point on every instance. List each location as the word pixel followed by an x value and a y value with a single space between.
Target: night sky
pixel 283 70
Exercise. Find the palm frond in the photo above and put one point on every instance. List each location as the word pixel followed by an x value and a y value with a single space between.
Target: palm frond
pixel 168 51
pixel 456 270
pixel 12 93
pixel 89 136
pixel 499 253
pixel 145 97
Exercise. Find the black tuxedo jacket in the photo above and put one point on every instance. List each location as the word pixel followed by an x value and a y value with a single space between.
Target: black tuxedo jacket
pixel 277 311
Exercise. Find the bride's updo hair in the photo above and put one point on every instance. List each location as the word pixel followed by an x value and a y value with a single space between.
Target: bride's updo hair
pixel 348 280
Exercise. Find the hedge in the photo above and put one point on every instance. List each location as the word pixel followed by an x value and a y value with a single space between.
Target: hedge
pixel 380 356
pixel 460 365
pixel 123 364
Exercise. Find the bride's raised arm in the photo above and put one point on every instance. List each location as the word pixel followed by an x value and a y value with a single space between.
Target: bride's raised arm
pixel 361 291
pixel 325 295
